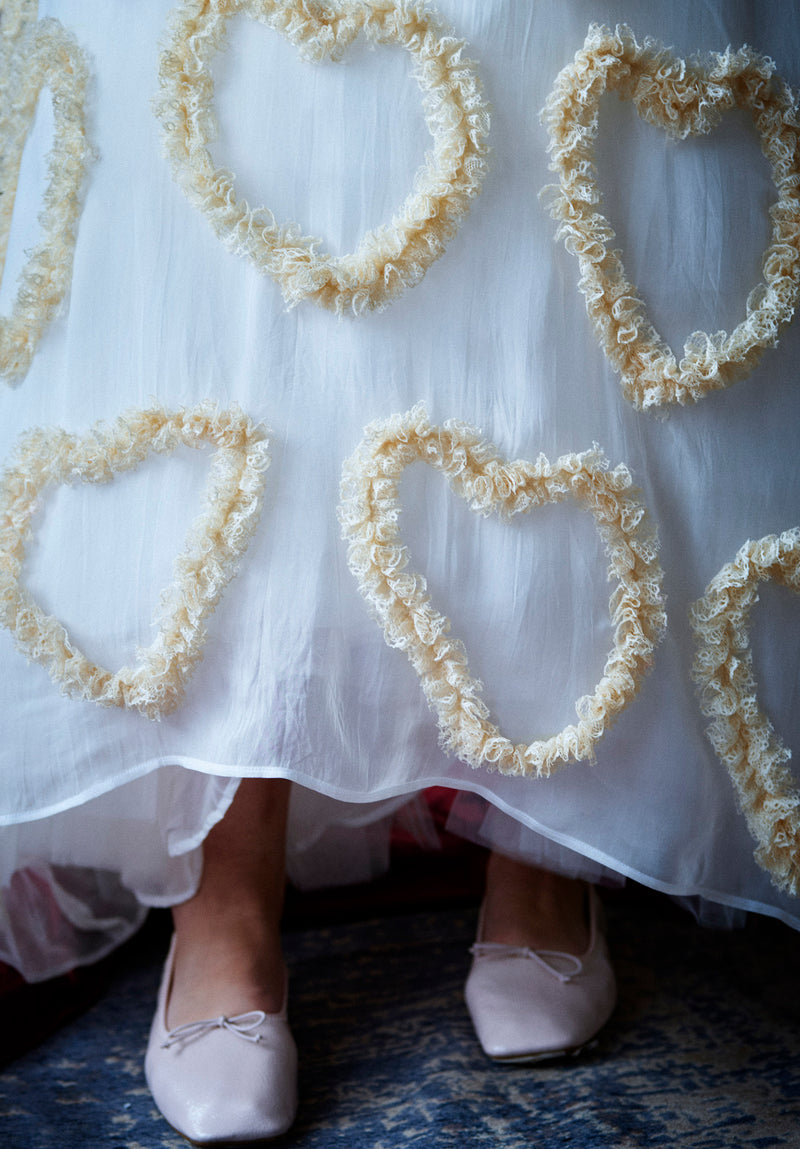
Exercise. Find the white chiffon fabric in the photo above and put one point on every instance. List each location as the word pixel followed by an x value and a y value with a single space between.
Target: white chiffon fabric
pixel 103 811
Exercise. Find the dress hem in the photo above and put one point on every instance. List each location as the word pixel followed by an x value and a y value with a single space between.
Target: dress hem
pixel 375 797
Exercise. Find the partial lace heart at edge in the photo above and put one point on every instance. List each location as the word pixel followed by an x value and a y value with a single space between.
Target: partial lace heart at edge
pixel 739 730
pixel 43 56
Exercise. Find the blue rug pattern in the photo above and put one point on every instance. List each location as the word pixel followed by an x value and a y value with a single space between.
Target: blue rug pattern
pixel 702 1053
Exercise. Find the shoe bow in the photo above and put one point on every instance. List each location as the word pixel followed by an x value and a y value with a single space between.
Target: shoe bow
pixel 495 949
pixel 242 1025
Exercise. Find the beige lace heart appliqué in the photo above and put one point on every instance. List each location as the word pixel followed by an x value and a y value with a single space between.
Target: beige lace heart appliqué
pixel 740 732
pixel 398 598
pixel 683 99
pixel 388 259
pixel 46 57
pixel 217 540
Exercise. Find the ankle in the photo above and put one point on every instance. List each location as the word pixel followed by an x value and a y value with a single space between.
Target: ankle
pixel 526 906
pixel 226 974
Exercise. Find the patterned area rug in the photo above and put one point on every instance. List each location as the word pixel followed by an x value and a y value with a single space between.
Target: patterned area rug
pixel 702 1053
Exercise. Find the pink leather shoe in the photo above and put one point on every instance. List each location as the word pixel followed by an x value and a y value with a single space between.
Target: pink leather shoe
pixel 529 1005
pixel 227 1080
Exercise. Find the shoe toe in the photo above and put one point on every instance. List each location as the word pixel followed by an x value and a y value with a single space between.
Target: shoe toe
pixel 522 1011
pixel 221 1089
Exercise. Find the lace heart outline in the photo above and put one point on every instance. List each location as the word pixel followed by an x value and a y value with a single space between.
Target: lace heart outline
pixel 740 732
pixel 47 56
pixel 369 513
pixel 684 98
pixel 391 257
pixel 216 541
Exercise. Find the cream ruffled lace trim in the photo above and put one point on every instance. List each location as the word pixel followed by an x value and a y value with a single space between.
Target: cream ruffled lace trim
pixel 684 99
pixel 391 257
pixel 16 16
pixel 47 56
pixel 398 598
pixel 740 732
pixel 217 539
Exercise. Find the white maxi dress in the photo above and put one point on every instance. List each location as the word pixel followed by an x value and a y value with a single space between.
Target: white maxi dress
pixel 103 809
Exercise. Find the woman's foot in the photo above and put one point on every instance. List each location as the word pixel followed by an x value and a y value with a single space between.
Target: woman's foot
pixel 221 1062
pixel 541 984
pixel 225 1077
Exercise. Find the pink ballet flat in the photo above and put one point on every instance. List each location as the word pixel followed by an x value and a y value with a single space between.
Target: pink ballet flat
pixel 531 1005
pixel 224 1081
